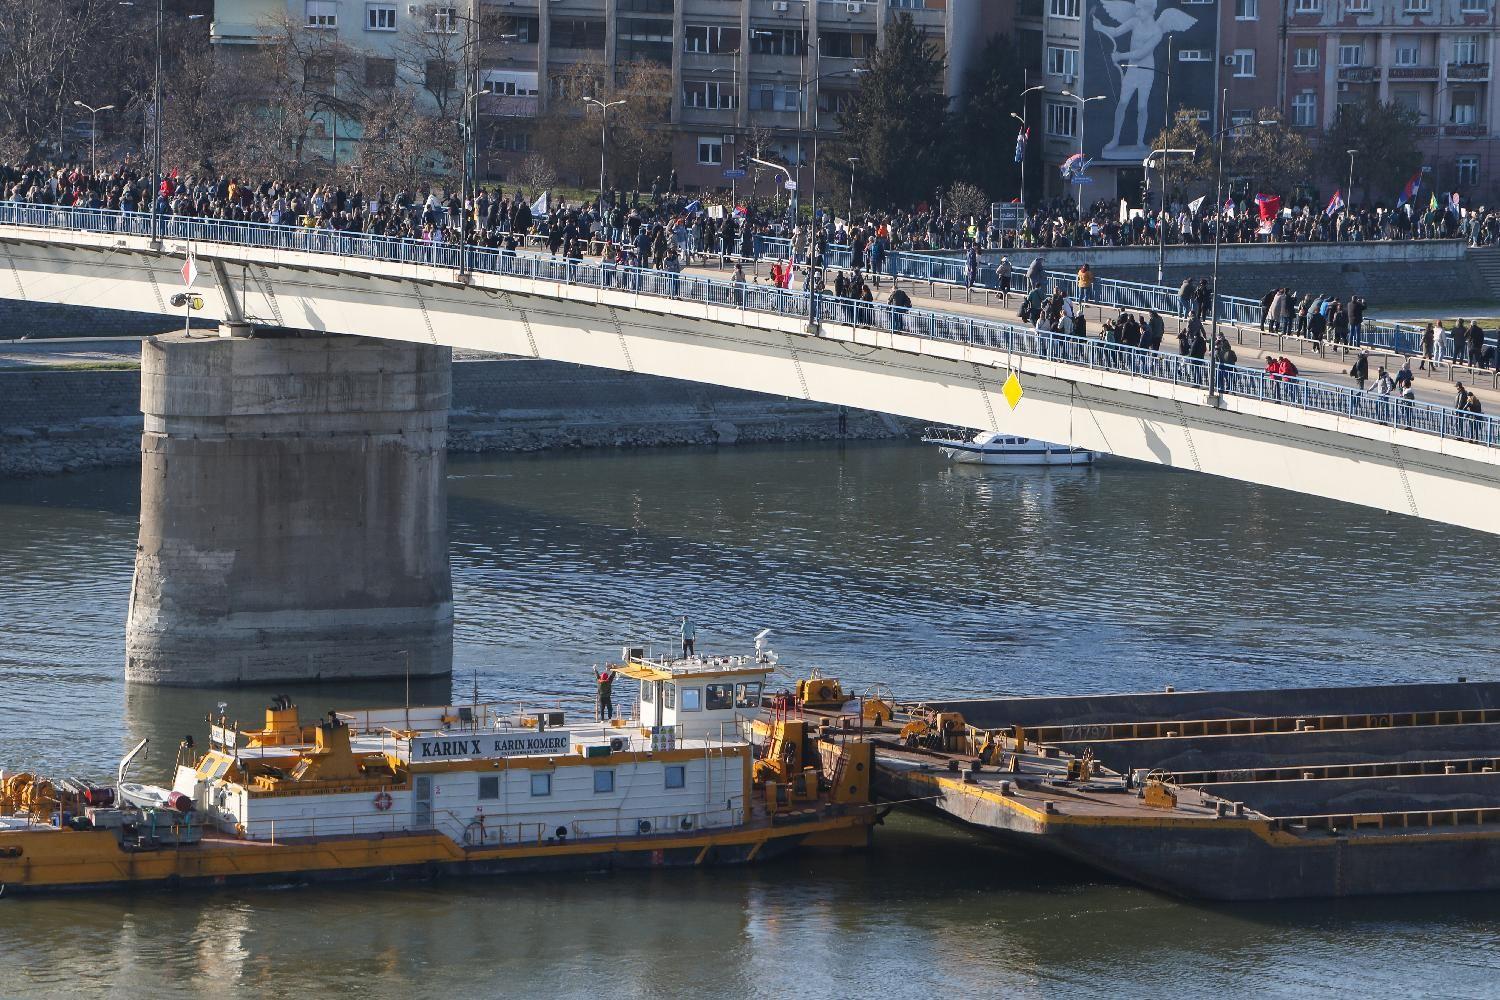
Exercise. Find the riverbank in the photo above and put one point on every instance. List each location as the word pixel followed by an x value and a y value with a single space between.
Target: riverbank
pixel 71 418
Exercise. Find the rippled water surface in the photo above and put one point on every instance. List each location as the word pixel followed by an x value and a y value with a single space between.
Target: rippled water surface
pixel 877 562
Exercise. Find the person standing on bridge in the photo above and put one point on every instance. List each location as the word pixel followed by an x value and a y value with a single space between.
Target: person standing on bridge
pixel 1360 370
pixel 1085 283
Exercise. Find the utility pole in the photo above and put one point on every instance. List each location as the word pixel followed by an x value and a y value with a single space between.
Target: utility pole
pixel 603 132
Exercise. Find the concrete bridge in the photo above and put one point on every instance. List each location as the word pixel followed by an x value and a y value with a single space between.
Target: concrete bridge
pixel 292 487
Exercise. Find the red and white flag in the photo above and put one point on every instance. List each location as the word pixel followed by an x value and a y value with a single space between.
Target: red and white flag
pixel 189 270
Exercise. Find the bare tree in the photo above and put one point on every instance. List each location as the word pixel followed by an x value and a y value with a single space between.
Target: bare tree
pixel 431 52
pixel 639 127
pixel 568 134
pixel 967 200
pixel 537 173
pixel 402 147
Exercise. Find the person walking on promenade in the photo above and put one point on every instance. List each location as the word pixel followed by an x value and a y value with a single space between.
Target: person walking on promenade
pixel 1085 284
pixel 1439 344
pixel 1426 349
pixel 1035 275
pixel 1476 345
pixel 900 304
pixel 1360 370
pixel 1185 298
pixel 971 267
pixel 1267 304
pixel 689 633
pixel 1002 278
pixel 739 284
pixel 1357 320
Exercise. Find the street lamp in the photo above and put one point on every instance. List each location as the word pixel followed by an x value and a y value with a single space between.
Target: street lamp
pixel 1026 129
pixel 93 130
pixel 852 161
pixel 1219 231
pixel 603 131
pixel 156 116
pixel 1349 191
pixel 1083 103
pixel 1161 229
pixel 856 71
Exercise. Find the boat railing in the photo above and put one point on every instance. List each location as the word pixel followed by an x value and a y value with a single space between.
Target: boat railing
pixel 946 432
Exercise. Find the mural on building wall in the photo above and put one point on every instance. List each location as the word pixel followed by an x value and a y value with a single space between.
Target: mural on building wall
pixel 1125 60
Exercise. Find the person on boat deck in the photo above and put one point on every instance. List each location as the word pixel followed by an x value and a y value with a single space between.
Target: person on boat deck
pixel 689 634
pixel 604 702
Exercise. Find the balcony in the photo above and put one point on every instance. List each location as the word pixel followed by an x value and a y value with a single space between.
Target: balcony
pixel 1412 73
pixel 1359 74
pixel 1469 71
pixel 1474 131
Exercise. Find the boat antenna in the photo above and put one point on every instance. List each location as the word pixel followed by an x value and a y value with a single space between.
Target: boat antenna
pixel 406 714
pixel 474 715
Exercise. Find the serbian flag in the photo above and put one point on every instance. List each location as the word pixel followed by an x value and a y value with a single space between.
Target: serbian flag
pixel 1229 207
pixel 1410 191
pixel 1022 134
pixel 1335 204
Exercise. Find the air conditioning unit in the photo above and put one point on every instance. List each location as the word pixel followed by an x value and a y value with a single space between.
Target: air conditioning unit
pixel 728 140
pixel 1229 60
pixel 619 744
pixel 780 6
pixel 411 10
pixel 853 8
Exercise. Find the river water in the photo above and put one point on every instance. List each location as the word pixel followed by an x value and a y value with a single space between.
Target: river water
pixel 879 563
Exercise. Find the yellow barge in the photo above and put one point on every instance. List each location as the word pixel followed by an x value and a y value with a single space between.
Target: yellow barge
pixel 455 790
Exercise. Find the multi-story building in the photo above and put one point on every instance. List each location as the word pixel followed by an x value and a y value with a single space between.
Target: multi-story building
pixel 1432 56
pixel 775 71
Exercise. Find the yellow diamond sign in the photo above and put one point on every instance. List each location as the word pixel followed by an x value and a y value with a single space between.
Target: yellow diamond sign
pixel 1012 391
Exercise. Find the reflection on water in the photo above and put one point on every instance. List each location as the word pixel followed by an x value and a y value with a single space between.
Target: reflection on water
pixel 877 562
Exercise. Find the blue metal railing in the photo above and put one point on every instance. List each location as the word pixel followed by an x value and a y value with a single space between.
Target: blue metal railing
pixel 1300 393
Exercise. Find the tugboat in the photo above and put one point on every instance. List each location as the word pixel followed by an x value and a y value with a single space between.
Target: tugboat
pixel 453 789
pixel 992 448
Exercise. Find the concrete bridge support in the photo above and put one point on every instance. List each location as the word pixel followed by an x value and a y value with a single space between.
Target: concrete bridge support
pixel 293 522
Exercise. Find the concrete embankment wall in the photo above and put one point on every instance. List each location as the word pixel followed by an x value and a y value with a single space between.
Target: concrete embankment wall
pixel 71 420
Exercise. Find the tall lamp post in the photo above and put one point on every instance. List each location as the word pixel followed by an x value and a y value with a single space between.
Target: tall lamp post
pixel 1218 136
pixel 1161 229
pixel 856 71
pixel 93 130
pixel 603 133
pixel 1026 129
pixel 852 161
pixel 1083 103
pixel 1349 191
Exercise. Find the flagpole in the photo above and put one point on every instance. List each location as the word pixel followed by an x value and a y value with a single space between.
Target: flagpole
pixel 1213 343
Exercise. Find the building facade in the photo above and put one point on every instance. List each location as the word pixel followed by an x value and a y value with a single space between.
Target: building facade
pixel 772 73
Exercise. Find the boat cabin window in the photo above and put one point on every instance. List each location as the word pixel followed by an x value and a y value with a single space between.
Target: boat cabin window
pixel 219 769
pixel 489 788
pixel 692 700
pixel 541 784
pixel 747 695
pixel 604 780
pixel 669 695
pixel 717 697
pixel 648 692
pixel 676 776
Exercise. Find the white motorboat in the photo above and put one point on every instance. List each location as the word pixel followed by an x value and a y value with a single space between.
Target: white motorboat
pixel 991 448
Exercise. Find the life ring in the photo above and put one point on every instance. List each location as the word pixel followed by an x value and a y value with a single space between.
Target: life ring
pixel 383 801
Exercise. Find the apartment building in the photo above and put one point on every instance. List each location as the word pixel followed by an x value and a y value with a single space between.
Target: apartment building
pixel 1433 56
pixel 777 71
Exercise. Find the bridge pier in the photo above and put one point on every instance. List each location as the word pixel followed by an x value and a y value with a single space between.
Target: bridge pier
pixel 293 522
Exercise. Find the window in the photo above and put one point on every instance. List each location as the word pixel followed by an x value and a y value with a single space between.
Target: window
pixel 1473 6
pixel 1062 61
pixel 1408 52
pixel 908 4
pixel 541 783
pixel 604 781
pixel 438 75
pixel 1308 7
pixel 1062 120
pixel 489 787
pixel 1463 108
pixel 1351 55
pixel 443 20
pixel 1419 6
pixel 780 42
pixel 1063 8
pixel 525 29
pixel 576 33
pixel 1195 55
pixel 380 17
pixel 1244 62
pixel 1305 59
pixel 380 72
pixel 669 695
pixel 692 700
pixel 648 692
pixel 1466 49
pixel 766 97
pixel 676 776
pixel 1468 171
pixel 707 94
pixel 318 69
pixel 322 14
pixel 1247 10
pixel 710 38
pixel 1240 116
pixel 717 697
pixel 1408 99
pixel 710 153
pixel 1305 109
pixel 512 142
pixel 747 695
pixel 837 101
pixel 847 44
pixel 638 38
pixel 1356 6
pixel 509 83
